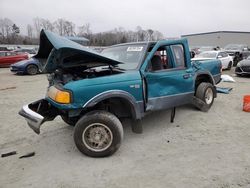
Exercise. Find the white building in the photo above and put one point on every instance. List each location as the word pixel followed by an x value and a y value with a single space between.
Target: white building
pixel 218 38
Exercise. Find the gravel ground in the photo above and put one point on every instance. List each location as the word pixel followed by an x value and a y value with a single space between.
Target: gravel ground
pixel 199 149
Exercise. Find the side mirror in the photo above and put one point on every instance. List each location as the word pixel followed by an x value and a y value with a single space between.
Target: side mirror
pixel 219 56
pixel 192 54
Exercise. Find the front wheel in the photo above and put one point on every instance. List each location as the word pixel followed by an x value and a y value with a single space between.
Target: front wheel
pixel 98 134
pixel 206 92
pixel 32 69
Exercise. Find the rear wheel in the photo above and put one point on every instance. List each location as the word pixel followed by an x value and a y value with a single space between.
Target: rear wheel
pixel 32 69
pixel 206 92
pixel 98 134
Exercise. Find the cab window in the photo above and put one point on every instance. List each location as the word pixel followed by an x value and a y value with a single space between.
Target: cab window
pixel 167 58
pixel 178 55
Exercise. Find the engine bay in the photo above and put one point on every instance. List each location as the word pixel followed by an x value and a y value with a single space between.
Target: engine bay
pixel 63 76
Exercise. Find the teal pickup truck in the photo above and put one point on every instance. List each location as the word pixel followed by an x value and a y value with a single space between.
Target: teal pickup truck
pixel 94 91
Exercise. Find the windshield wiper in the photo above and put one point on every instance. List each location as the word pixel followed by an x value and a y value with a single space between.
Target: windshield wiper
pixel 118 68
pixel 111 67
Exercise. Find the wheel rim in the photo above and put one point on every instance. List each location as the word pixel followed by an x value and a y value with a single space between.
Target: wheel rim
pixel 97 137
pixel 32 70
pixel 209 95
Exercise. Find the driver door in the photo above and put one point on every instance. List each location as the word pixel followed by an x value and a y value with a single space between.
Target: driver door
pixel 173 85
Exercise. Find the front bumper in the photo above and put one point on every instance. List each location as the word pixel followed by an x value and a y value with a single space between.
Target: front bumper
pixel 242 70
pixel 16 69
pixel 37 113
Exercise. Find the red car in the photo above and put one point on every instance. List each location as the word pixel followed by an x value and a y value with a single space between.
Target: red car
pixel 7 58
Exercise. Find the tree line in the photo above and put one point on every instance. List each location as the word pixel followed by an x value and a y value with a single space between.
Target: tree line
pixel 10 32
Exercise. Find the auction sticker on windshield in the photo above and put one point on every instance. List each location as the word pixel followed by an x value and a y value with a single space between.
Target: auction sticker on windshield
pixel 134 48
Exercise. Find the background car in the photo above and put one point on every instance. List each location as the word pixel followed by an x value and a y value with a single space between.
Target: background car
pixel 30 52
pixel 206 48
pixel 3 48
pixel 226 60
pixel 30 66
pixel 243 67
pixel 238 52
pixel 7 58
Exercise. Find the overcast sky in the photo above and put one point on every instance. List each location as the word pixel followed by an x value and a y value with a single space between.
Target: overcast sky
pixel 172 18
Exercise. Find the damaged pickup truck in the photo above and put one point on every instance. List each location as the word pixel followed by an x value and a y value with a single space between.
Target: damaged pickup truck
pixel 93 91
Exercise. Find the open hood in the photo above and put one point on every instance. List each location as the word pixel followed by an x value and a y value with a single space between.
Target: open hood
pixel 60 52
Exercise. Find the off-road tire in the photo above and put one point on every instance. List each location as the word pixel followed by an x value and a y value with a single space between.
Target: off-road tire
pixel 95 126
pixel 206 92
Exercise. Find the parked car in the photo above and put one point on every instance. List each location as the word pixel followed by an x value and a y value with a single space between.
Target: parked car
pixel 30 66
pixel 93 91
pixel 3 48
pixel 238 52
pixel 29 51
pixel 243 67
pixel 226 60
pixel 8 57
pixel 206 48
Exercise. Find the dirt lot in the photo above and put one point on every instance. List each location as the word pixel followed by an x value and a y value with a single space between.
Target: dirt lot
pixel 197 150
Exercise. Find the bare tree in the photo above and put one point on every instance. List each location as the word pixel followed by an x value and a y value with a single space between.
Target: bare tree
pixel 7 27
pixel 1 30
pixel 59 26
pixel 46 24
pixel 69 28
pixel 157 35
pixel 141 34
pixel 37 26
pixel 10 32
pixel 150 33
pixel 41 23
pixel 84 30
pixel 64 27
pixel 30 31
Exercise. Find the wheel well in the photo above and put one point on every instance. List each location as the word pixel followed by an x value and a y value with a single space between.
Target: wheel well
pixel 118 106
pixel 31 64
pixel 202 78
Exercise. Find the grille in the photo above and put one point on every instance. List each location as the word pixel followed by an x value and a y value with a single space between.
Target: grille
pixel 246 68
pixel 237 69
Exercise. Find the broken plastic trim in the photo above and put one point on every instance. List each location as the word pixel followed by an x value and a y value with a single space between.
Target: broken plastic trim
pixel 37 113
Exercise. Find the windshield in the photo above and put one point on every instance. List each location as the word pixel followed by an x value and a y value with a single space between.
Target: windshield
pixel 233 47
pixel 129 55
pixel 207 55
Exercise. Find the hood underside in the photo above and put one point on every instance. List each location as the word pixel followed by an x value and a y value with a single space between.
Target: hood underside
pixel 60 52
